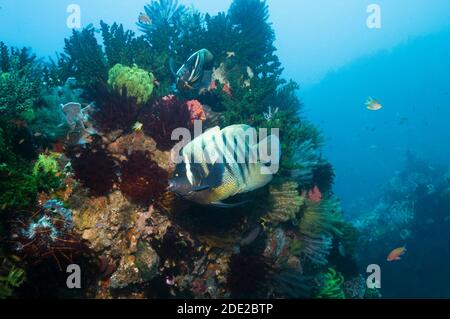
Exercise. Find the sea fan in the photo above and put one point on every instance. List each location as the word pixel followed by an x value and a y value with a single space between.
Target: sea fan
pixel 95 168
pixel 142 180
pixel 163 117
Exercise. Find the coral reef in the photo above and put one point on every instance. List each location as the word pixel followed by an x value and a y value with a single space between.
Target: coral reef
pixel 116 111
pixel 292 284
pixel 306 158
pixel 285 202
pixel 142 180
pixel 47 233
pixel 163 117
pixel 19 84
pixel 355 288
pixel 95 168
pixel 319 223
pixel 84 60
pixel 196 110
pixel 85 145
pixel 248 275
pixel 47 172
pixel 138 82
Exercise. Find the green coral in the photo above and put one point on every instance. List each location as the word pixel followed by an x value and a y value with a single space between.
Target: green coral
pixel 46 164
pixel 138 83
pixel 11 277
pixel 47 173
pixel 331 285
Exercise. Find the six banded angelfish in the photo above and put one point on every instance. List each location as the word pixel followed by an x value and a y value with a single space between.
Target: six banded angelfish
pixel 194 73
pixel 222 163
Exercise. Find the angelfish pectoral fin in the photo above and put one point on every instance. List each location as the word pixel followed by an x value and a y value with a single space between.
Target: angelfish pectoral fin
pixel 223 205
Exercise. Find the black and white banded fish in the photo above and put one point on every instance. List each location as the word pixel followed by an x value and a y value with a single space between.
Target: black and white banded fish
pixel 220 164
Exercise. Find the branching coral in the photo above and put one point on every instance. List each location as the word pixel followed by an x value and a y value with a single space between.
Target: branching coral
pixel 95 168
pixel 84 60
pixel 142 180
pixel 19 90
pixel 123 47
pixel 331 285
pixel 138 82
pixel 285 202
pixel 163 117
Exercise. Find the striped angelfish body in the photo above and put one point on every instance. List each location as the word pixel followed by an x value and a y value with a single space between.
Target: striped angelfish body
pixel 225 162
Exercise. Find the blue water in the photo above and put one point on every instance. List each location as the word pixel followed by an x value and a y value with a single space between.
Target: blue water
pixel 327 48
pixel 411 81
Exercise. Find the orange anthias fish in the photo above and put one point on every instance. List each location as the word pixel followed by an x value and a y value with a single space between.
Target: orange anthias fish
pixel 396 254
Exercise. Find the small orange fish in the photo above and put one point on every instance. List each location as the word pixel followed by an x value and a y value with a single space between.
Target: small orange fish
pixel 143 18
pixel 396 253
